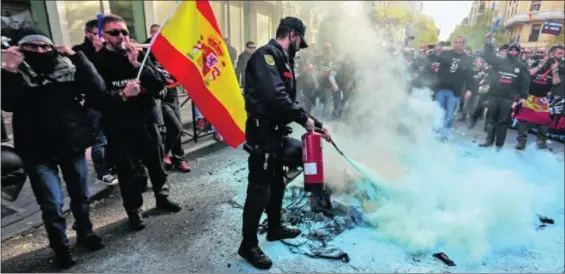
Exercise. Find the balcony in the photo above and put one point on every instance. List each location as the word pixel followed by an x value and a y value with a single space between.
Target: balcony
pixel 558 14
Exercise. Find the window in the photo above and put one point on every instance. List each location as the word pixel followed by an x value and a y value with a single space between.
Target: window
pixel 77 13
pixel 264 29
pixel 482 6
pixel 535 5
pixel 534 33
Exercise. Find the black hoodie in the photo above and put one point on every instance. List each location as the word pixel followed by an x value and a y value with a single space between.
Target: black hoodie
pixel 120 116
pixel 511 76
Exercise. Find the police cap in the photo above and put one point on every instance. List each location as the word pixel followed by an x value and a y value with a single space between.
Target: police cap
pixel 296 25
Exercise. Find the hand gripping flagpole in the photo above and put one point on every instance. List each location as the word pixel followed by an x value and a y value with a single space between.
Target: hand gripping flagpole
pixel 144 61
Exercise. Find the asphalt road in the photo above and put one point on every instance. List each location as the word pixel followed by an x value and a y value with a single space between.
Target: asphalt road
pixel 203 237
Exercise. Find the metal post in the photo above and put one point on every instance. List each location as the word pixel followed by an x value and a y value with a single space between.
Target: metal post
pixel 101 6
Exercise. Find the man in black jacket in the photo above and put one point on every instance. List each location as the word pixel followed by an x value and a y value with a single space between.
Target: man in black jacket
pixel 242 62
pixel 40 85
pixel 510 79
pixel 92 44
pixel 130 118
pixel 454 71
pixel 270 101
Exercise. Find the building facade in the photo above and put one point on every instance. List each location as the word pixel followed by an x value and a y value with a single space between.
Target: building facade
pixel 241 21
pixel 522 20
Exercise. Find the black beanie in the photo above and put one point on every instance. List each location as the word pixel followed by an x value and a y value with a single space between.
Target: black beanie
pixel 515 46
pixel 30 34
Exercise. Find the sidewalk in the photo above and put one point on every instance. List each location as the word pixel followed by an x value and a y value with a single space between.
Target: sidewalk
pixel 29 213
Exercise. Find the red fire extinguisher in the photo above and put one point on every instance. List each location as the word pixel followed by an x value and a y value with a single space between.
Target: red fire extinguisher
pixel 313 161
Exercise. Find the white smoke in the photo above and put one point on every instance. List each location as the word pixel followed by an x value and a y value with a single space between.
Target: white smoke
pixel 459 199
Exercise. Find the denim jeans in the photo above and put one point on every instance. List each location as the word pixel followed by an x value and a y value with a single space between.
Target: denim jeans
pixel 199 115
pixel 46 185
pixel 98 150
pixel 448 102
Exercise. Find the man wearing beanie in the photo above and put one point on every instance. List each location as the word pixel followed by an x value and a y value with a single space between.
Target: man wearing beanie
pixel 510 79
pixel 40 84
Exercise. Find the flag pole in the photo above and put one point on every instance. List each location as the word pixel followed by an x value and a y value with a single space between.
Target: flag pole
pixel 144 61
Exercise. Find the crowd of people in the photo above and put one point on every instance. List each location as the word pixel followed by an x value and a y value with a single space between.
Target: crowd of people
pixel 67 99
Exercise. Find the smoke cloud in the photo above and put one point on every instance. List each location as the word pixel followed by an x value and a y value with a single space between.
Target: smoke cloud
pixel 425 195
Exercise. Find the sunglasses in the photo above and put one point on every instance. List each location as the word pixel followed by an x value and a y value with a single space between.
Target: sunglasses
pixel 117 32
pixel 36 46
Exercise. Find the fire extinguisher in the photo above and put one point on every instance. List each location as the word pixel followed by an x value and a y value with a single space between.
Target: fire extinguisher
pixel 313 169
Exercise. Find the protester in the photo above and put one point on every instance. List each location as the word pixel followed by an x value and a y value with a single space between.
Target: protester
pixel 130 117
pixel 455 69
pixel 242 62
pixel 324 64
pixel 270 97
pixel 152 32
pixel 202 124
pixel 511 79
pixel 557 97
pixel 346 80
pixel 92 44
pixel 308 80
pixel 40 85
pixel 472 96
pixel 231 50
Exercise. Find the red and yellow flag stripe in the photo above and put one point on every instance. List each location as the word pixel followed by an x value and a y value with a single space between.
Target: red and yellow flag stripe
pixel 191 48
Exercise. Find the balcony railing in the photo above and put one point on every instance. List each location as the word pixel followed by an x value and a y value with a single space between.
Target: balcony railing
pixel 558 14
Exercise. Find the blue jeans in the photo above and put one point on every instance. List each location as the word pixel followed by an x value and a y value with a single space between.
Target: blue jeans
pixel 46 185
pixel 98 150
pixel 199 115
pixel 448 102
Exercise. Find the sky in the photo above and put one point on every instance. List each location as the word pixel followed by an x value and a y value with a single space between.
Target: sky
pixel 447 14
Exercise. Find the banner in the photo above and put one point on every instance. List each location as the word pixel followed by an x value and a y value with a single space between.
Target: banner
pixel 534 110
pixel 552 27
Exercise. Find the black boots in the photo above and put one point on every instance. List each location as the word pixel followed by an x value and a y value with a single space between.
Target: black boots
pixel 64 256
pixel 163 202
pixel 135 221
pixel 256 257
pixel 90 241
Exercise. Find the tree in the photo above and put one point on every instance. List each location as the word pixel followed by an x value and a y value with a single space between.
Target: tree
pixel 395 13
pixel 475 34
pixel 425 30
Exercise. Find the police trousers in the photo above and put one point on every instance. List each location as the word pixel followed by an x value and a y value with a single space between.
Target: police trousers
pixel 266 187
pixel 142 149
pixel 497 122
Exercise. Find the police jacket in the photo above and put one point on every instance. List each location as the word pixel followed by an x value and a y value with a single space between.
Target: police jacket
pixel 270 86
pixel 48 120
pixel 511 76
pixel 119 116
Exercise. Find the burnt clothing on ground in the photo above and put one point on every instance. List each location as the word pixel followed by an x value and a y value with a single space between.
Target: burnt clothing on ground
pixel 120 116
pixel 511 77
pixel 242 66
pixel 270 86
pixel 541 81
pixel 48 120
pixel 454 71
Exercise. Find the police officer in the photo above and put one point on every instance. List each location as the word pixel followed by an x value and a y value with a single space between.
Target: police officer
pixel 270 101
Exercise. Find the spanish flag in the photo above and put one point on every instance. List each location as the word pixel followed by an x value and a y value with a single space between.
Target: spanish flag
pixel 532 17
pixel 191 48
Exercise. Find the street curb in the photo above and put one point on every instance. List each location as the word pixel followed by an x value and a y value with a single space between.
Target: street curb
pixel 193 150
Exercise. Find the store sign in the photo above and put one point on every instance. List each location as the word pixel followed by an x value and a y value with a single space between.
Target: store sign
pixel 18 21
pixel 552 27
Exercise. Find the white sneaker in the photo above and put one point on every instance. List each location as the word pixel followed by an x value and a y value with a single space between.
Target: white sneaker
pixel 109 180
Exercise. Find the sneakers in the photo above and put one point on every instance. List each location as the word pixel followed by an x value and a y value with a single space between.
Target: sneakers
pixel 182 166
pixel 109 179
pixel 64 257
pixel 167 161
pixel 218 137
pixel 255 256
pixel 200 124
pixel 90 241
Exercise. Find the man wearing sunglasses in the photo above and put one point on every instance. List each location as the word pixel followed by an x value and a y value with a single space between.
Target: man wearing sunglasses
pixel 40 85
pixel 130 116
pixel 242 60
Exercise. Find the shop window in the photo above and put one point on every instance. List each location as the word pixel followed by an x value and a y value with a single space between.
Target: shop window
pixel 534 33
pixel 236 26
pixel 264 29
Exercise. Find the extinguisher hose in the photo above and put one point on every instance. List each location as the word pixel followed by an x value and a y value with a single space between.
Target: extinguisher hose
pixel 319 130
